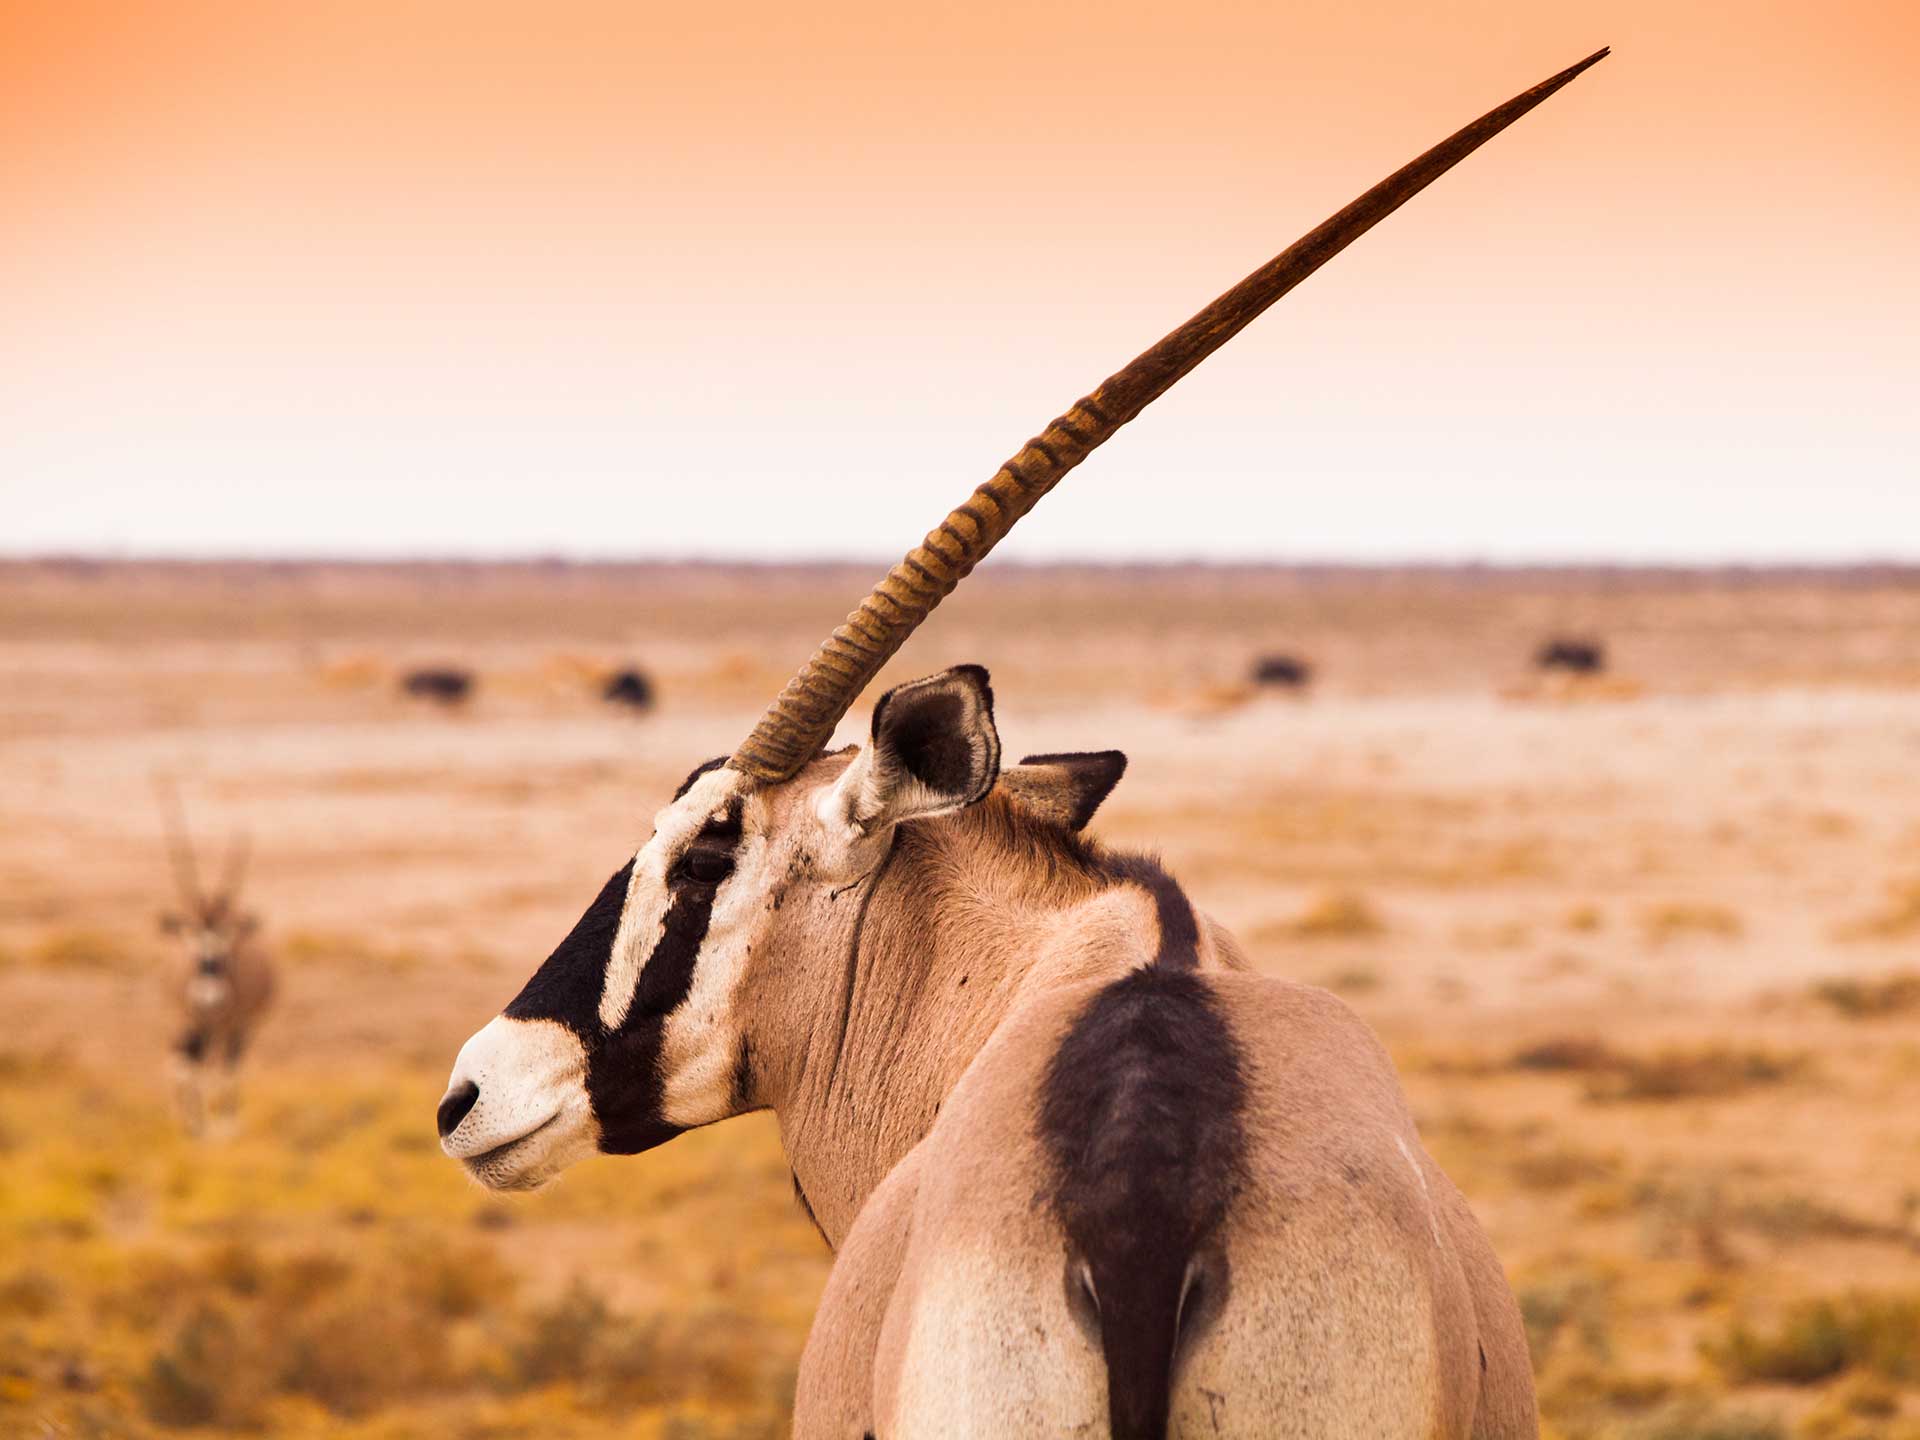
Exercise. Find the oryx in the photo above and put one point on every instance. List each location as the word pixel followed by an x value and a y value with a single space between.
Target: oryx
pixel 226 984
pixel 1571 656
pixel 442 684
pixel 1085 1173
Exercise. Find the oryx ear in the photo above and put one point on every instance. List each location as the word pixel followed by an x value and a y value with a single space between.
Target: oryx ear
pixel 1065 789
pixel 933 750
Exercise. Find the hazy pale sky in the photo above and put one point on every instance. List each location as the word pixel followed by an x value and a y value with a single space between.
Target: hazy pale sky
pixel 415 276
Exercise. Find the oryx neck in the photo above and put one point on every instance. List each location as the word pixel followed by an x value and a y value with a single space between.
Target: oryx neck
pixel 968 918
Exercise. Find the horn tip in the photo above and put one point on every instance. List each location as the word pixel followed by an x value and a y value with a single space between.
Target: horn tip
pixel 1586 64
pixel 1553 84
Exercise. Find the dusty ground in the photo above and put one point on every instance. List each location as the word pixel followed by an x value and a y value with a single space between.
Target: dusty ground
pixel 1637 944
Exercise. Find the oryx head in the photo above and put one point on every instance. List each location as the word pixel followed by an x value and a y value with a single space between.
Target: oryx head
pixel 632 1030
pixel 211 923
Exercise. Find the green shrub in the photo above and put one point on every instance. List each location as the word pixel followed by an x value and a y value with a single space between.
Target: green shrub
pixel 1699 1421
pixel 207 1372
pixel 1573 1306
pixel 1818 1339
pixel 562 1341
pixel 1713 1071
pixel 1871 999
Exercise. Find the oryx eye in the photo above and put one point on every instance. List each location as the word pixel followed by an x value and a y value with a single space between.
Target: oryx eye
pixel 705 867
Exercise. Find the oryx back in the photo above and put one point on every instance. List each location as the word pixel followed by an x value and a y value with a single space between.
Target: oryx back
pixel 1179 1200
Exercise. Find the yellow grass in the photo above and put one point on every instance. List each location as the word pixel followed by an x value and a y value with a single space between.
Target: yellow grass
pixel 1872 998
pixel 1337 916
pixel 85 948
pixel 1601 939
pixel 326 1272
pixel 1897 919
pixel 1677 920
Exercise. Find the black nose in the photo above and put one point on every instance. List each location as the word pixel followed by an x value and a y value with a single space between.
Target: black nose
pixel 454 1108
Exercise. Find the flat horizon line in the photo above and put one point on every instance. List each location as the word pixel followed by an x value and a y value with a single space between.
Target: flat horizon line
pixel 510 561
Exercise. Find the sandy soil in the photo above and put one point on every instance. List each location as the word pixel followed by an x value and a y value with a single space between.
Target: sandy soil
pixel 1667 862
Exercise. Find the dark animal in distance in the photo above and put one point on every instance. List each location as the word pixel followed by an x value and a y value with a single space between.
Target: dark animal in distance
pixel 628 687
pixel 1282 672
pixel 1575 657
pixel 442 684
pixel 226 985
pixel 1085 1171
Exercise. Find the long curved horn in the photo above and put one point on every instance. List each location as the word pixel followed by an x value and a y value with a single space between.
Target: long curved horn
pixel 173 818
pixel 802 718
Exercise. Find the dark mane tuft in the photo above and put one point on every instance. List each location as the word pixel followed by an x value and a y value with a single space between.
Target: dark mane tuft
pixel 1140 1115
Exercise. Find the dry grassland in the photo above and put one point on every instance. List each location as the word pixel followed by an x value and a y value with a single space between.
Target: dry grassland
pixel 1648 953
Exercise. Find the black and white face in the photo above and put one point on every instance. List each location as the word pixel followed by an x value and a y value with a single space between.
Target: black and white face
pixel 630 1032
pixel 210 933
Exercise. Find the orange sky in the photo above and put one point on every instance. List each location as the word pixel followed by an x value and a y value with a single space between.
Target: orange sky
pixel 621 278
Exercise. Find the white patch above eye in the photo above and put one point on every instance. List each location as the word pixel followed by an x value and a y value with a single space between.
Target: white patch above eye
pixel 643 918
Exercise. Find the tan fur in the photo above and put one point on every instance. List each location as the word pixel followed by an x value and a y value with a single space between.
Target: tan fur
pixel 891 964
pixel 1363 1293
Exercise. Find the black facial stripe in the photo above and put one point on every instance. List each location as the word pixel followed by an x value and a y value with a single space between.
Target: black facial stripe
pixel 722 829
pixel 708 858
pixel 567 987
pixel 626 1088
pixel 667 975
pixel 624 1083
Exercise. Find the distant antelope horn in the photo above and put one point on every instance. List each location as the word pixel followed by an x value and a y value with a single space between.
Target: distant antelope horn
pixel 800 721
pixel 173 817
